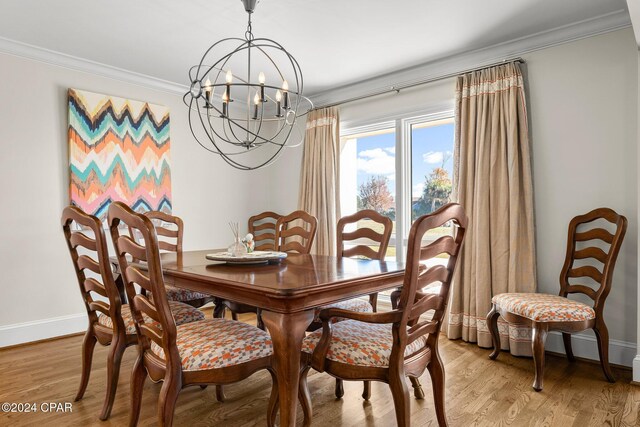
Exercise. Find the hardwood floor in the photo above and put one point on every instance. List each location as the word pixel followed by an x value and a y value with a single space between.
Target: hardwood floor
pixel 480 392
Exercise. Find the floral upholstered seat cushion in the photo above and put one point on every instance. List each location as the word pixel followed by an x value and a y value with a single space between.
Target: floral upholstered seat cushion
pixel 216 343
pixel 179 294
pixel 544 307
pixel 360 343
pixel 355 304
pixel 182 313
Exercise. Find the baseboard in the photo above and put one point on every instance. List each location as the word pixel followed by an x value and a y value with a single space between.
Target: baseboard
pixel 37 330
pixel 585 346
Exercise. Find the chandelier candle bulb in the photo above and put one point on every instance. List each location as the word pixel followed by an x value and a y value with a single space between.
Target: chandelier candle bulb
pixel 261 80
pixel 229 79
pixel 208 90
pixel 256 101
pixel 278 106
pixel 225 104
pixel 285 89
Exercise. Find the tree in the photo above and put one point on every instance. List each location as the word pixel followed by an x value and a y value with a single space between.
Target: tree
pixel 436 193
pixel 374 194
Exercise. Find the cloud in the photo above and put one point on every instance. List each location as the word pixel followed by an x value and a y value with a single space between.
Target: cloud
pixel 417 190
pixel 433 157
pixel 391 177
pixel 391 150
pixel 436 157
pixel 376 161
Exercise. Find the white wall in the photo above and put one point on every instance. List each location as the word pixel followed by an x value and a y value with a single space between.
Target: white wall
pixel 583 109
pixel 37 282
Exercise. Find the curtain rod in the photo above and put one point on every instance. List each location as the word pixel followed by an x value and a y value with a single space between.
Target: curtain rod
pixel 398 88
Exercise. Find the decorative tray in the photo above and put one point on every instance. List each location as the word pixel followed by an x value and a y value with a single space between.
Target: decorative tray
pixel 255 257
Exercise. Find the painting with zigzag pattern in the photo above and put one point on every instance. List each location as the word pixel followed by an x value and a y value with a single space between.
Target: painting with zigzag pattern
pixel 118 151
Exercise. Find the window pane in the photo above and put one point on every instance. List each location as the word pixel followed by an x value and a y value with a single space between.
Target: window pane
pixel 432 174
pixel 368 178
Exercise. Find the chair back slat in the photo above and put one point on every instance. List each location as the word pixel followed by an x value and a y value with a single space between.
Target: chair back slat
pixel 159 326
pixel 85 262
pixel 593 234
pixel 263 228
pixel 442 245
pixel 361 251
pixel 92 285
pixel 591 252
pixel 586 271
pixel 381 239
pixel 291 237
pixel 92 267
pixel 78 238
pixel 606 258
pixel 413 302
pixel 581 289
pixel 100 306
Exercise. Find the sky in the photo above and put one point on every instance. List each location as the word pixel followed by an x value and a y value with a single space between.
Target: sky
pixel 432 147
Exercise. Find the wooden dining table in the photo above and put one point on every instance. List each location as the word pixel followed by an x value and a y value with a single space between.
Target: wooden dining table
pixel 287 292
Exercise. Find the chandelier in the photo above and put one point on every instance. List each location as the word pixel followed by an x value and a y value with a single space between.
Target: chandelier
pixel 241 101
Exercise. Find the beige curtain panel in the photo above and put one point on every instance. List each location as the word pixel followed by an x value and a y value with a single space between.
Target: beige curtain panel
pixel 319 182
pixel 492 173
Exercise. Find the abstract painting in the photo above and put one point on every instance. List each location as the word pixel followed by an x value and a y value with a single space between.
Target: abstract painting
pixel 118 151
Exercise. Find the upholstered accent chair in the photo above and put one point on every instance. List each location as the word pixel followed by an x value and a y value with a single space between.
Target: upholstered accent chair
pixel 588 270
pixel 110 319
pixel 388 346
pixel 211 351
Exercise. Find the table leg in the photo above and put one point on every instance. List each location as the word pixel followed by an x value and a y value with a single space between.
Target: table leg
pixel 287 332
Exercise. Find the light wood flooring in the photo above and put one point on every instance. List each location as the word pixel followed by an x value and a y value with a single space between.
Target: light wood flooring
pixel 480 392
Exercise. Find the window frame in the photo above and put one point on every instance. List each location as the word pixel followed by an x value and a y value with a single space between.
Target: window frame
pixel 403 144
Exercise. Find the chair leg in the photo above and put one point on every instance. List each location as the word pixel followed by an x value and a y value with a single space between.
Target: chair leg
pixel 602 336
pixel 400 394
pixel 366 390
pixel 219 309
pixel 539 337
pixel 304 397
pixel 436 371
pixel 203 386
pixel 395 298
pixel 492 324
pixel 339 388
pixel 259 322
pixel 167 401
pixel 220 397
pixel 566 338
pixel 88 345
pixel 234 316
pixel 138 376
pixel 417 388
pixel 373 300
pixel 272 407
pixel 116 350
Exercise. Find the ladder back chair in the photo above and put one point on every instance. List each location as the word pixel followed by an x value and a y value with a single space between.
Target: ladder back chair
pixel 544 312
pixel 362 239
pixel 263 228
pixel 295 232
pixel 211 351
pixel 170 231
pixel 110 321
pixel 387 346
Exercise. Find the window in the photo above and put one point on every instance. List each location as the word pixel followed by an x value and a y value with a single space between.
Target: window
pixel 402 169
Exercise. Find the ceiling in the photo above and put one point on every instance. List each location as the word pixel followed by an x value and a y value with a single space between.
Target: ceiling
pixel 336 42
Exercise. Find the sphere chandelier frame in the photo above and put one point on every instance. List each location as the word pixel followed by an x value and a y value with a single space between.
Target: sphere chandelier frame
pixel 244 125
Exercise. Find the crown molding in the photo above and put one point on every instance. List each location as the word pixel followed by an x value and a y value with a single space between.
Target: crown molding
pixel 28 51
pixel 477 58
